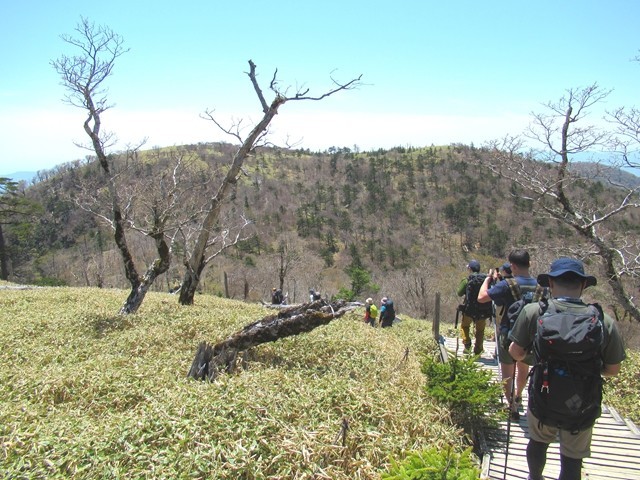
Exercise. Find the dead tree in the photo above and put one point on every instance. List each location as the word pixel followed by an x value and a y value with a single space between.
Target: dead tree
pixel 196 260
pixel 83 77
pixel 551 186
pixel 213 359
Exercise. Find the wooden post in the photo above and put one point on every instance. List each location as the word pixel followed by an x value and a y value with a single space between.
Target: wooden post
pixel 436 318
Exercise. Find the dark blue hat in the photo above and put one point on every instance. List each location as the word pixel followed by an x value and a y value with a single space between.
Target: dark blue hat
pixel 565 265
pixel 474 265
pixel 506 267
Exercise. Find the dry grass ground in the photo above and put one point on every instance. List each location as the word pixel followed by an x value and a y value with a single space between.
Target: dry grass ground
pixel 86 393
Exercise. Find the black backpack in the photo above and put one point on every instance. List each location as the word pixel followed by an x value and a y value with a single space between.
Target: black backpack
pixel 565 389
pixel 389 314
pixel 277 298
pixel 471 307
pixel 523 295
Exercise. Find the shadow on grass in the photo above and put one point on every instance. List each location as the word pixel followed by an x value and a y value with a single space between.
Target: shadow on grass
pixel 104 324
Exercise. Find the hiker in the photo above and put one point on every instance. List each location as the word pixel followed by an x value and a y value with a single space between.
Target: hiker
pixel 276 296
pixel 505 271
pixel 548 416
pixel 387 312
pixel 370 312
pixel 502 295
pixel 472 311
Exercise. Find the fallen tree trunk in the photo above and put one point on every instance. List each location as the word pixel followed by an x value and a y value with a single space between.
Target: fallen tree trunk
pixel 212 359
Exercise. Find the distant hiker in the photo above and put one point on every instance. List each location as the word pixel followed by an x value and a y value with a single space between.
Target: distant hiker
pixel 574 345
pixel 505 271
pixel 503 294
pixel 387 312
pixel 276 296
pixel 370 312
pixel 313 295
pixel 472 311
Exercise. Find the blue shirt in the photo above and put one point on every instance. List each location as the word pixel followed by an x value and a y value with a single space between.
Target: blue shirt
pixel 501 295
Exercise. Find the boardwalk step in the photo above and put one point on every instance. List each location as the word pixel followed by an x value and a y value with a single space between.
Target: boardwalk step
pixel 614 413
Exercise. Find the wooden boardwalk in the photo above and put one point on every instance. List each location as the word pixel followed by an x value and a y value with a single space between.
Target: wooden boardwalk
pixel 615 448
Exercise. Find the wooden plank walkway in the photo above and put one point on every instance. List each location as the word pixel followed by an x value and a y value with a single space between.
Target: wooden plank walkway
pixel 615 447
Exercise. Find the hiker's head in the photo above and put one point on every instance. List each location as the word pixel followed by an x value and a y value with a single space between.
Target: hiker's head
pixel 505 269
pixel 519 260
pixel 369 301
pixel 566 274
pixel 384 300
pixel 474 266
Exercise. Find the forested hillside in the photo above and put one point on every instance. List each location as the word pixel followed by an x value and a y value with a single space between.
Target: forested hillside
pixel 401 223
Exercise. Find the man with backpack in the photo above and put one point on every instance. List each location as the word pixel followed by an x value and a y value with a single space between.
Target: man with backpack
pixel 575 345
pixel 472 311
pixel 504 293
pixel 387 312
pixel 276 296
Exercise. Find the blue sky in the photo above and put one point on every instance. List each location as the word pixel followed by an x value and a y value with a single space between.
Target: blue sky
pixel 433 72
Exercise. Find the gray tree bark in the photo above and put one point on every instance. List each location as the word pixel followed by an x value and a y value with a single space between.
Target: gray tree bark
pixel 210 360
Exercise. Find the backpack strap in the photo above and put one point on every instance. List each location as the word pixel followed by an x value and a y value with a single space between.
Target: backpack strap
pixel 540 293
pixel 543 306
pixel 514 288
pixel 605 333
pixel 600 311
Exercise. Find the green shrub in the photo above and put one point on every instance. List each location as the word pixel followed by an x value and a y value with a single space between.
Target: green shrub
pixel 434 464
pixel 465 387
pixel 344 294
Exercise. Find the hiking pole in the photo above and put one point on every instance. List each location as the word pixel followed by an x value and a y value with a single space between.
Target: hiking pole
pixel 506 453
pixel 496 332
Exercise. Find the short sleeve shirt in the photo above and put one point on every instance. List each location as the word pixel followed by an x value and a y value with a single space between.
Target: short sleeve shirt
pixel 501 295
pixel 525 327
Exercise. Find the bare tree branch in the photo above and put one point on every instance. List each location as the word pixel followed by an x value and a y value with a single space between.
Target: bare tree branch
pixel 83 77
pixel 254 81
pixel 551 185
pixel 196 260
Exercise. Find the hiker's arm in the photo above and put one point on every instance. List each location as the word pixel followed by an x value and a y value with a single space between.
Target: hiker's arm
pixel 609 370
pixel 483 294
pixel 517 352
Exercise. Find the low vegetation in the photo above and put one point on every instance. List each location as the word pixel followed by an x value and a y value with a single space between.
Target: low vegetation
pixel 435 464
pixel 469 390
pixel 86 393
pixel 622 392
